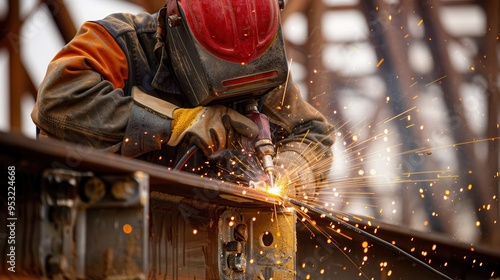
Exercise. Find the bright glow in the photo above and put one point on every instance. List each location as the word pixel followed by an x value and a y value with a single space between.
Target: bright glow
pixel 277 190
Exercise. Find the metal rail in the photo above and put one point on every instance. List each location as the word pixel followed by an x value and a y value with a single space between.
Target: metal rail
pixel 189 216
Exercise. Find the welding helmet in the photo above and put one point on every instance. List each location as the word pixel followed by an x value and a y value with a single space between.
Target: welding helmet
pixel 226 50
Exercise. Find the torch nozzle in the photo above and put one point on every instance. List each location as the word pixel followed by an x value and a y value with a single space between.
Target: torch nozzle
pixel 271 179
pixel 268 165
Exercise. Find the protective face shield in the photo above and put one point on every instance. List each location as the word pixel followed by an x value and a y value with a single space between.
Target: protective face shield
pixel 225 51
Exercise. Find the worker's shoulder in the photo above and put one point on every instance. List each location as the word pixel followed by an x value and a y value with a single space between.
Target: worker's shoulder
pixel 120 23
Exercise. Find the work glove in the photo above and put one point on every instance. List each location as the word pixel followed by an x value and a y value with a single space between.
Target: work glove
pixel 212 128
pixel 294 174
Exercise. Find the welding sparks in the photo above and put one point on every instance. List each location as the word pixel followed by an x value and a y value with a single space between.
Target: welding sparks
pixel 363 182
pixel 380 62
pixel 436 80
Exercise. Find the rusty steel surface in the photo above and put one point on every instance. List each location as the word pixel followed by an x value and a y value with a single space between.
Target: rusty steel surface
pixel 42 154
pixel 181 203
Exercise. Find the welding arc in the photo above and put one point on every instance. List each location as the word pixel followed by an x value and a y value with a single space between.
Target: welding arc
pixel 372 237
pixel 186 157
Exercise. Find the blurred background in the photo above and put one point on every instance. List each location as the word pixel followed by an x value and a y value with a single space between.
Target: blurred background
pixel 411 86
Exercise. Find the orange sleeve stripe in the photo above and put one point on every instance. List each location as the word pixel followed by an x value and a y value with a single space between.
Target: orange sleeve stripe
pixel 100 51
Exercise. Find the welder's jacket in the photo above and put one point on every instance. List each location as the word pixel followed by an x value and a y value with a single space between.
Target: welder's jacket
pixel 85 97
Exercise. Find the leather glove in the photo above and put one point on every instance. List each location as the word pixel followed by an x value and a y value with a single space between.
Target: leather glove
pixel 211 128
pixel 294 173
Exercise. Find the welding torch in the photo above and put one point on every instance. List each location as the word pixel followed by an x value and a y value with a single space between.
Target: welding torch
pixel 262 145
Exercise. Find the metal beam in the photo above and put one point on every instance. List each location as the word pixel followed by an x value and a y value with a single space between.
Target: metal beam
pixel 482 190
pixel 491 71
pixel 325 247
pixel 62 18
pixel 16 76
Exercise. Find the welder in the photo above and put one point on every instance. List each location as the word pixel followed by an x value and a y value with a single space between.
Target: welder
pixel 152 86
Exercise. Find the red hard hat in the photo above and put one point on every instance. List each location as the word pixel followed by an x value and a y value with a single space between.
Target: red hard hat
pixel 225 49
pixel 234 30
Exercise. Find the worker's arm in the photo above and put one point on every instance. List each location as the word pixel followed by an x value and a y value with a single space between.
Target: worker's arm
pixel 81 99
pixel 303 135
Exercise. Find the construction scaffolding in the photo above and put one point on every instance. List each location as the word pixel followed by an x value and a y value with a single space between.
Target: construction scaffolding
pixel 412 69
